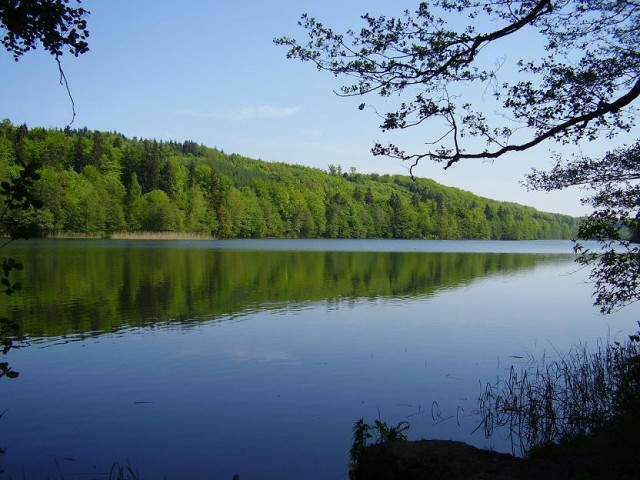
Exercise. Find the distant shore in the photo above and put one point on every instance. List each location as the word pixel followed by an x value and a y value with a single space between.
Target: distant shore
pixel 134 236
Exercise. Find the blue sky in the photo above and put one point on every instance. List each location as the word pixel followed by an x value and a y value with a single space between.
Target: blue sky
pixel 208 71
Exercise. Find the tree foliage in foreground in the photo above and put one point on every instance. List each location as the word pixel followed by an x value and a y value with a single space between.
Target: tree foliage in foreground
pixel 24 26
pixel 578 85
pixel 52 24
pixel 614 222
pixel 577 80
pixel 96 182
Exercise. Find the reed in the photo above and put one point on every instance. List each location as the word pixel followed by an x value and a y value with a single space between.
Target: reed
pixel 134 235
pixel 74 235
pixel 119 472
pixel 552 401
pixel 160 236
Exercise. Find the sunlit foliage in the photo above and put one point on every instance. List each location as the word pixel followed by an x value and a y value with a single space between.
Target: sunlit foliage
pixel 96 182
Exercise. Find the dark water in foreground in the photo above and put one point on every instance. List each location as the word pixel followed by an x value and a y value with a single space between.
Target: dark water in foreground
pixel 204 359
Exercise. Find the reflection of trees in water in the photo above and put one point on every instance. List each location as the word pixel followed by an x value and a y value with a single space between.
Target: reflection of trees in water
pixel 80 290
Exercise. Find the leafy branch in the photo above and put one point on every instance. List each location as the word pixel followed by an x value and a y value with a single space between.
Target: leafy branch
pixel 18 195
pixel 582 86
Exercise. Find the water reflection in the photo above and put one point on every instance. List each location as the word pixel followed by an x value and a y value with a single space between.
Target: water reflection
pixel 111 285
pixel 258 363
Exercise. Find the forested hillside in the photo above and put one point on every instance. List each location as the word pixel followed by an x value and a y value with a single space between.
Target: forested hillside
pixel 97 182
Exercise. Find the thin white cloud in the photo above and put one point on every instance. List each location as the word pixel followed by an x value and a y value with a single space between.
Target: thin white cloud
pixel 184 112
pixel 242 113
pixel 265 111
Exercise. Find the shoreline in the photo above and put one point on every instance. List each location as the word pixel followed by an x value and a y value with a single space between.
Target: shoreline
pixel 131 236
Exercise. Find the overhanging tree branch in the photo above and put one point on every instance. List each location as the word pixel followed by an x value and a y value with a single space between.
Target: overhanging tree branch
pixel 580 86
pixel 581 83
pixel 51 24
pixel 603 109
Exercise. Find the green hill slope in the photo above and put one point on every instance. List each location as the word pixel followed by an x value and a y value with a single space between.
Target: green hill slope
pixel 102 182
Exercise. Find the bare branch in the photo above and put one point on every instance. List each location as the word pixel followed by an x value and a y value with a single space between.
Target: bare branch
pixel 65 84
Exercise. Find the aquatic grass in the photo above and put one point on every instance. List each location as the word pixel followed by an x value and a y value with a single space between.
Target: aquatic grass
pixel 380 432
pixel 117 472
pixel 553 401
pixel 146 235
pixel 160 236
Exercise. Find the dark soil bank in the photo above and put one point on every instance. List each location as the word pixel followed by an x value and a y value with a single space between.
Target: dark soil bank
pixel 440 459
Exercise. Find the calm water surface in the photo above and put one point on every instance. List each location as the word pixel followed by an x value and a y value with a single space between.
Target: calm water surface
pixel 204 359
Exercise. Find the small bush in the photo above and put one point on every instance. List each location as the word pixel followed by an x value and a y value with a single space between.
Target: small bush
pixel 380 432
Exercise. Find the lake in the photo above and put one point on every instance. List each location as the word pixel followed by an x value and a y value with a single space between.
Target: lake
pixel 201 359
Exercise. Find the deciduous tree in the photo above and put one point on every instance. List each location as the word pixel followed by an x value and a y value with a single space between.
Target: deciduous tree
pixel 580 83
pixel 578 80
pixel 25 25
pixel 614 222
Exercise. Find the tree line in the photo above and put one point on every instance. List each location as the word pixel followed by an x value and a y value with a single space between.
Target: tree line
pixel 102 182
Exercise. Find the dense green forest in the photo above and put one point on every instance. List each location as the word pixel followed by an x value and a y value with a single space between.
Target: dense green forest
pixel 102 182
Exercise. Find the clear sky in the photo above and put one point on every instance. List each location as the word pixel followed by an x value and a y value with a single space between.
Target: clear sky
pixel 208 71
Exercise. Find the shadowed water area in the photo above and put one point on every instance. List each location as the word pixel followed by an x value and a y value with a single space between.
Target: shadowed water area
pixel 205 359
